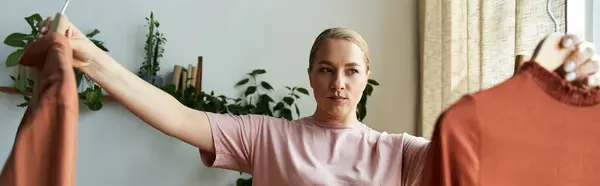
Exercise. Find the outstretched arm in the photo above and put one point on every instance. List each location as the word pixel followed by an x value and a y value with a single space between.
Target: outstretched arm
pixel 154 106
pixel 149 103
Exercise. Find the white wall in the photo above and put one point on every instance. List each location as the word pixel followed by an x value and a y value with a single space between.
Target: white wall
pixel 115 148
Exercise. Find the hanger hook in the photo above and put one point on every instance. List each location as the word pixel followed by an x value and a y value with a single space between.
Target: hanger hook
pixel 551 15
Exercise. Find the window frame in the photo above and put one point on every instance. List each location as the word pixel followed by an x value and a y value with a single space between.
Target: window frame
pixel 593 25
pixel 580 19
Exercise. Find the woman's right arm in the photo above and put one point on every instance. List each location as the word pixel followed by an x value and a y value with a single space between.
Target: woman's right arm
pixel 224 140
pixel 149 103
pixel 154 106
pixel 236 137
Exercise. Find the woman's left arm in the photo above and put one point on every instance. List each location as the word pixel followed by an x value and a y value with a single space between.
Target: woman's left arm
pixel 414 153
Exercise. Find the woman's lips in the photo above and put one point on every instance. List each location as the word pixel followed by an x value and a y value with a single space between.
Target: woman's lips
pixel 338 99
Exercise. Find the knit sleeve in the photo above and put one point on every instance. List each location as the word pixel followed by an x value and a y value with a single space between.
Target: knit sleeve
pixel 453 155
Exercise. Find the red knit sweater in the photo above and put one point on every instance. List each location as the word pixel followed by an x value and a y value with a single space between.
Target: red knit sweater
pixel 44 150
pixel 532 129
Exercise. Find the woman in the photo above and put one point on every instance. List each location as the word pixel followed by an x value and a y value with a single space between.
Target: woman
pixel 331 147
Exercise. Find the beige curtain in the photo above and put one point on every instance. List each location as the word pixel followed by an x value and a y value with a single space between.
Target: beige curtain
pixel 469 45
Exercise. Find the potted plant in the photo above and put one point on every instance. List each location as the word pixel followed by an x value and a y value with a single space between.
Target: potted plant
pixel 154 49
pixel 25 79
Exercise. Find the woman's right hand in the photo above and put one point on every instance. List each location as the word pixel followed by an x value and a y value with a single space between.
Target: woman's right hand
pixel 84 50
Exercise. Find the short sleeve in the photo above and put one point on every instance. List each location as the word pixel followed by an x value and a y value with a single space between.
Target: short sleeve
pixel 234 138
pixel 453 155
pixel 414 150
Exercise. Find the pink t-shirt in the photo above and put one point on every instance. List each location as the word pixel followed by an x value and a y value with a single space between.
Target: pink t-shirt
pixel 279 152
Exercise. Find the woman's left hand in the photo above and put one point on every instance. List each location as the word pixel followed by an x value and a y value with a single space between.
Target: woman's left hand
pixel 582 66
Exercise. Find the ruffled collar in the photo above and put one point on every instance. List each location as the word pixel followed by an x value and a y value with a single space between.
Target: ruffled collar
pixel 560 89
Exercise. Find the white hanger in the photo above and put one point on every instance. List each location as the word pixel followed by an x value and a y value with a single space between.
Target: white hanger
pixel 550 49
pixel 60 23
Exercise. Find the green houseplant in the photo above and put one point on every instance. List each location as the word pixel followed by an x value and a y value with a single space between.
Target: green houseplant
pixel 92 94
pixel 154 49
pixel 361 107
pixel 255 97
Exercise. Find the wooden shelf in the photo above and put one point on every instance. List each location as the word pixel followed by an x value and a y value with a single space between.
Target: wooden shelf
pixel 10 90
pixel 13 90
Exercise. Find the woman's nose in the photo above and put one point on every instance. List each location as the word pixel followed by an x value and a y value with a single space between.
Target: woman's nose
pixel 338 83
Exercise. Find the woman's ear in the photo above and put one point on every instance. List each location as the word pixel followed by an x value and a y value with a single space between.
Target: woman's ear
pixel 309 76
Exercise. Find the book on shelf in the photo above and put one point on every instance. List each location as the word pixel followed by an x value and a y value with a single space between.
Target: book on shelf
pixel 186 77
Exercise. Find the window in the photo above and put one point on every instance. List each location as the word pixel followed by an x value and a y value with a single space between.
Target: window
pixel 578 18
pixel 583 18
pixel 593 27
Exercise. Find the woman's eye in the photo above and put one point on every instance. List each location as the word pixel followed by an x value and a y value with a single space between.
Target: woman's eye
pixel 326 70
pixel 353 71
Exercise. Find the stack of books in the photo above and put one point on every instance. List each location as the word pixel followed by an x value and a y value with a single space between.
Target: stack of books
pixel 186 77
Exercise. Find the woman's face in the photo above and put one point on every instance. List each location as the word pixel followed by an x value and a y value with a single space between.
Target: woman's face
pixel 338 77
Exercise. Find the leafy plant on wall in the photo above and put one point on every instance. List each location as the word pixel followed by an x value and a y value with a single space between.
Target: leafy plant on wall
pixel 256 97
pixel 361 107
pixel 154 48
pixel 92 95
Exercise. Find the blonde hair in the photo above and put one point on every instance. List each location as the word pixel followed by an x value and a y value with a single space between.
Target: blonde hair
pixel 343 34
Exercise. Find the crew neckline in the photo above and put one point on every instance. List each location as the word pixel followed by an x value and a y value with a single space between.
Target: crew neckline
pixel 325 125
pixel 560 89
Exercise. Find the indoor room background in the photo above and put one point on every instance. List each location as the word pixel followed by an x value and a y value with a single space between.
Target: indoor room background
pixel 425 55
pixel 234 38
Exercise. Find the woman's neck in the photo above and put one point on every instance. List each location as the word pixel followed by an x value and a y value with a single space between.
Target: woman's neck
pixel 325 117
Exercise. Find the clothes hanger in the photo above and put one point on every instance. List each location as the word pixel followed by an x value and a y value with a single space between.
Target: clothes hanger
pixel 60 23
pixel 549 53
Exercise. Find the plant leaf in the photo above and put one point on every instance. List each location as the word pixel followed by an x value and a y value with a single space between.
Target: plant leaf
pixel 288 100
pixel 279 106
pixel 297 110
pixel 257 72
pixel 91 94
pixel 78 76
pixel 170 88
pixel 250 90
pixel 266 85
pixel 13 58
pixel 286 113
pixel 362 112
pixel 99 44
pixel 233 109
pixel 369 90
pixel 373 82
pixel 20 85
pixel 303 90
pixel 93 97
pixel 95 106
pixel 16 40
pixel 33 20
pixel 93 33
pixel 266 99
pixel 242 82
pixel 23 104
pixel 30 82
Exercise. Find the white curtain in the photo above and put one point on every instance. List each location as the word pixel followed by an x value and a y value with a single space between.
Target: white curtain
pixel 469 45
